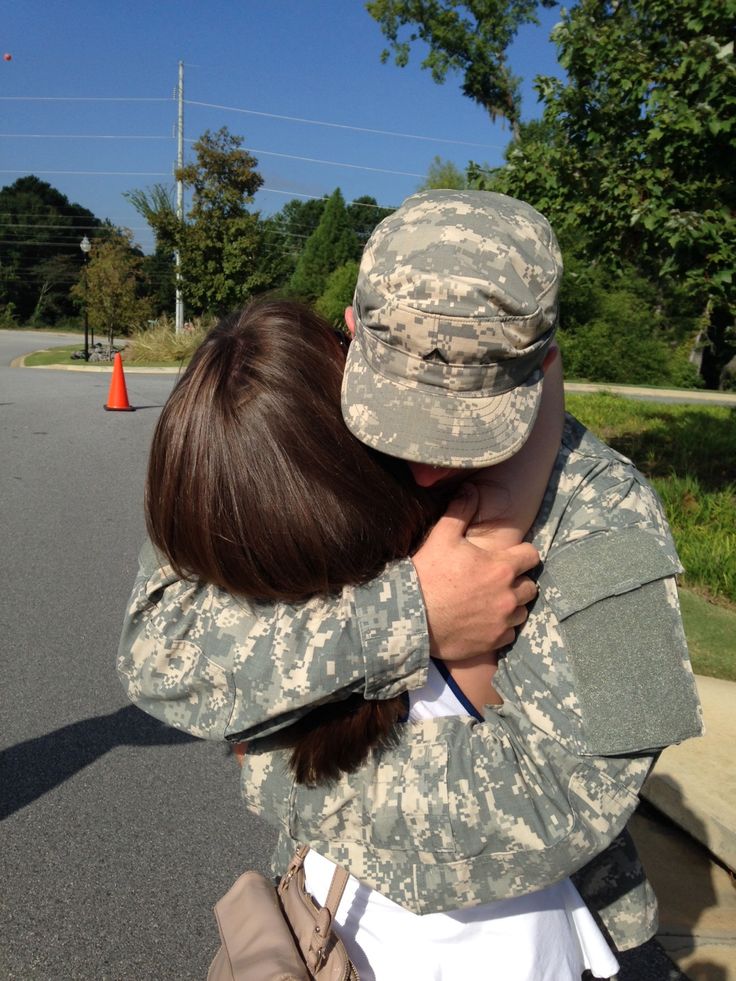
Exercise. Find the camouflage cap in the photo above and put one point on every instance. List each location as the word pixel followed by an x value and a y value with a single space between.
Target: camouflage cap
pixel 455 308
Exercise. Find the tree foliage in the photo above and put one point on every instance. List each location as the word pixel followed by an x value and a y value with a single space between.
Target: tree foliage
pixel 40 256
pixel 443 174
pixel 285 235
pixel 471 38
pixel 111 286
pixel 338 293
pixel 287 232
pixel 220 242
pixel 633 157
pixel 223 177
pixel 364 213
pixel 331 245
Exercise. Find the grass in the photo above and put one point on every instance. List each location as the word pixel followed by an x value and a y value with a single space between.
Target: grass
pixel 54 355
pixel 62 355
pixel 710 636
pixel 161 344
pixel 689 454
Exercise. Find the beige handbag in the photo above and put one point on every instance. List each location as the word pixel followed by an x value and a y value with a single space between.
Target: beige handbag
pixel 280 934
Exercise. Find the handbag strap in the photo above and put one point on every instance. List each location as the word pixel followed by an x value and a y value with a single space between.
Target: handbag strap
pixel 337 885
pixel 337 888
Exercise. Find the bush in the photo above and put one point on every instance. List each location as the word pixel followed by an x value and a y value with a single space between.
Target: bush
pixel 161 343
pixel 618 345
pixel 338 293
pixel 681 372
pixel 619 327
pixel 7 316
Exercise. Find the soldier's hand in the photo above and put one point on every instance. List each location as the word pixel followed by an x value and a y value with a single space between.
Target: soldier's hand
pixel 474 599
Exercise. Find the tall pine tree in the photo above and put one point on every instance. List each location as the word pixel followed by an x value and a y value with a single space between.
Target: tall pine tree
pixel 331 245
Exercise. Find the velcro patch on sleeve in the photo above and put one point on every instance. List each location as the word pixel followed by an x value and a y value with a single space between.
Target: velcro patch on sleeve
pixel 624 640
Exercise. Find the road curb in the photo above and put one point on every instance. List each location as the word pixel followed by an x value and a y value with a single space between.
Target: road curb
pixel 100 368
pixel 694 783
pixel 682 395
pixel 652 394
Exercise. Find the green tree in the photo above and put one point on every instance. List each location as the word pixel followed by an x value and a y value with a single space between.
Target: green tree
pixel 220 241
pixel 338 293
pixel 441 174
pixel 40 256
pixel 331 245
pixel 111 286
pixel 285 235
pixel 157 207
pixel 471 38
pixel 364 213
pixel 159 276
pixel 637 152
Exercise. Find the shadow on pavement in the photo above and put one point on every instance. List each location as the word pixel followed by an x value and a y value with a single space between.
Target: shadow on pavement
pixel 681 873
pixel 33 768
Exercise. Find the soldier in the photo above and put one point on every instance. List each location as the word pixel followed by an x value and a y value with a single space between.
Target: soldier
pixel 454 311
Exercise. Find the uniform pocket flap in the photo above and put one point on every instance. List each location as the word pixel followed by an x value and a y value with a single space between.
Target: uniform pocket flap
pixel 616 605
pixel 605 564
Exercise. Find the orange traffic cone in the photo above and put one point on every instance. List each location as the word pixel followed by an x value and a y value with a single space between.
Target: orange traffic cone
pixel 117 398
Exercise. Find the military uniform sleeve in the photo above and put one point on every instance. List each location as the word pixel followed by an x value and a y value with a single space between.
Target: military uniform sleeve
pixel 458 813
pixel 617 892
pixel 218 667
pixel 602 661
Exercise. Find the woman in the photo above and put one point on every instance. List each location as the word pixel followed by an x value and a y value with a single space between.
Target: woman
pixel 256 486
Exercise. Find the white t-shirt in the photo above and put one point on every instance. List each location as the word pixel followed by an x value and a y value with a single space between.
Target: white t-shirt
pixel 547 935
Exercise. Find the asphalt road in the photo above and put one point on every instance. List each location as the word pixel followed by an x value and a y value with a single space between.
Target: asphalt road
pixel 118 834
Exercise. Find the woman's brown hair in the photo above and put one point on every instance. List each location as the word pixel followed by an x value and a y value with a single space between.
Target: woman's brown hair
pixel 255 485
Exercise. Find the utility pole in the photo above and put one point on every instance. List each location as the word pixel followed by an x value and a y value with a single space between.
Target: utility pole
pixel 85 245
pixel 179 319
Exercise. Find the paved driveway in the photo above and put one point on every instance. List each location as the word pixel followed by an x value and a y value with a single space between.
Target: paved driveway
pixel 119 834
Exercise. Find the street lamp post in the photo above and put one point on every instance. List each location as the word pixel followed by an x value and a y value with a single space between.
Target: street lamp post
pixel 85 246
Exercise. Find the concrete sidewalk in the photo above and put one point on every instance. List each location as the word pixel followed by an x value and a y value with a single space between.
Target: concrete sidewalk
pixel 686 834
pixel 694 783
pixel 691 396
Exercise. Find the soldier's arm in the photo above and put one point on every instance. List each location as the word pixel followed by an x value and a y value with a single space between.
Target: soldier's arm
pixel 531 794
pixel 219 666
pixel 501 807
pixel 603 661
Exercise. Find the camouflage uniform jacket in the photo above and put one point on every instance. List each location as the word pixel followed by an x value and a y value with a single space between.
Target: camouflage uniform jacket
pixel 461 812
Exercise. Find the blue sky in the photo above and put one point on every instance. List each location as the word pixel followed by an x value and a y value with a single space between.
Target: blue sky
pixel 316 60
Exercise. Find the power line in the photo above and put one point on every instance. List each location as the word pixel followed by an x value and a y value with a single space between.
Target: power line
pixel 80 98
pixel 96 173
pixel 76 136
pixel 61 225
pixel 255 112
pixel 263 153
pixel 331 163
pixel 356 129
